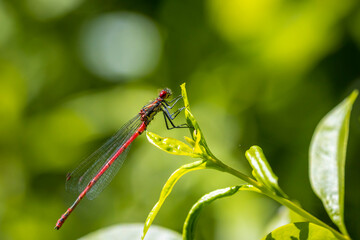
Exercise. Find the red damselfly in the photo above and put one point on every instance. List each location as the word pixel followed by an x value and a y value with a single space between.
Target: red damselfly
pixel 96 172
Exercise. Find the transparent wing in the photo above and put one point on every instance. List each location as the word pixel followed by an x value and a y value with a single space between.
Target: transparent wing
pixel 105 179
pixel 80 177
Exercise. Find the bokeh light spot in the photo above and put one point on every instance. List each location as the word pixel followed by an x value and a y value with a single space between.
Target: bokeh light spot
pixel 47 9
pixel 120 46
pixel 7 24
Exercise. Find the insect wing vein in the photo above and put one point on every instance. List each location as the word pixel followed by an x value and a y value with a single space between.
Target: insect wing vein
pixel 78 179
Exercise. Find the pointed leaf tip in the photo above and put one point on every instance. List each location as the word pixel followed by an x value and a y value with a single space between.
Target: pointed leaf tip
pixel 262 170
pixel 327 156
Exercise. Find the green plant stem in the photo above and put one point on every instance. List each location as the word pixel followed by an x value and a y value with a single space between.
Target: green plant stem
pixel 217 164
pixel 297 209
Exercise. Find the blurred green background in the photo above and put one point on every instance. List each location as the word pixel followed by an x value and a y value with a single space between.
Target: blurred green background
pixel 258 72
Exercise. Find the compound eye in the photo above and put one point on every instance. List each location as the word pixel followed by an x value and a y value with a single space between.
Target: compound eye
pixel 163 94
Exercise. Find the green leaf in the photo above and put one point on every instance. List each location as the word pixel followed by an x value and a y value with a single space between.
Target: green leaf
pixel 262 170
pixel 170 145
pixel 301 231
pixel 190 222
pixel 132 231
pixel 327 159
pixel 190 141
pixel 194 127
pixel 168 188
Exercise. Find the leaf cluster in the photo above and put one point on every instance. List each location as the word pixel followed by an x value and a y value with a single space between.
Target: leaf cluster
pixel 327 160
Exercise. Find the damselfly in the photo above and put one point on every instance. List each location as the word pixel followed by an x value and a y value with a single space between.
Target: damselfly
pixel 96 172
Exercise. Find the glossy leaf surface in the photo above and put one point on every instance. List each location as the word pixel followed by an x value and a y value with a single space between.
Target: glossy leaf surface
pixel 262 170
pixel 327 159
pixel 170 145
